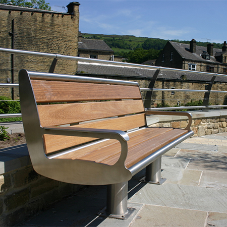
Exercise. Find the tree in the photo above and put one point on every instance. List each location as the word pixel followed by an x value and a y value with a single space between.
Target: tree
pixel 37 4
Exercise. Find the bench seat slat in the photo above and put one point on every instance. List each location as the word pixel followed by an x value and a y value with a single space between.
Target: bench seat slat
pixel 60 114
pixel 90 153
pixel 59 91
pixel 54 143
pixel 141 144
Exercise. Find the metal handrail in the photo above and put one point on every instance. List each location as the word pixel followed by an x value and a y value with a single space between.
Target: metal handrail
pixel 93 60
pixel 120 64
pixel 183 90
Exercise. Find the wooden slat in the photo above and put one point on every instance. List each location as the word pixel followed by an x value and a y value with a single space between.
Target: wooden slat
pixel 110 154
pixel 60 114
pixel 54 143
pixel 138 152
pixel 60 91
pixel 141 144
pixel 90 153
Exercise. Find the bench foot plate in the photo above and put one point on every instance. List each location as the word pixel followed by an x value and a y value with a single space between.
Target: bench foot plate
pixel 161 181
pixel 130 210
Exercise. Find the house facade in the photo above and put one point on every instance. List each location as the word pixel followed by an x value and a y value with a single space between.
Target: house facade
pixel 94 48
pixel 36 30
pixel 193 57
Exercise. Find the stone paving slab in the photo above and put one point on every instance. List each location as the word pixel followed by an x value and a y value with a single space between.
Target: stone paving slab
pixel 181 196
pixel 174 162
pixel 217 219
pixel 209 162
pixel 197 146
pixel 183 177
pixel 166 216
pixel 213 179
pixel 172 152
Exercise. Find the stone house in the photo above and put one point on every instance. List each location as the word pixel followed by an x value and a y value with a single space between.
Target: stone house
pixel 193 57
pixel 94 48
pixel 36 30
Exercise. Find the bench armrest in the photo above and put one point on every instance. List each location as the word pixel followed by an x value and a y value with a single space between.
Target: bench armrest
pixel 176 113
pixel 87 132
pixel 119 135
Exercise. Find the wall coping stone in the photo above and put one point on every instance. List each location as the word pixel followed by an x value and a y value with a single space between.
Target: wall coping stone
pixel 195 115
pixel 13 158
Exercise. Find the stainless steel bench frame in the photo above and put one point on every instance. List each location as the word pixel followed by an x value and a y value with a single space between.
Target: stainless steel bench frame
pixel 116 176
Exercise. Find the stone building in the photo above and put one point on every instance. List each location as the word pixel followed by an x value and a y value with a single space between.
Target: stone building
pixel 193 57
pixel 36 30
pixel 94 48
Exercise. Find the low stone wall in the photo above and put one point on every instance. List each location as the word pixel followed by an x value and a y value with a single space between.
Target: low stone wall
pixel 23 192
pixel 203 123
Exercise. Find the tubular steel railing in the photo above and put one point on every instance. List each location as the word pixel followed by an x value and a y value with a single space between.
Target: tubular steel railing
pixel 151 89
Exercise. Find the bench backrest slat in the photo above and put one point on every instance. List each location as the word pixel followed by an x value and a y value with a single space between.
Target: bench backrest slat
pixel 59 91
pixel 54 143
pixel 88 105
pixel 60 114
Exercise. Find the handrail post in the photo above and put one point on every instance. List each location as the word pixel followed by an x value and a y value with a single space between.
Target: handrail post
pixel 53 65
pixel 147 102
pixel 207 93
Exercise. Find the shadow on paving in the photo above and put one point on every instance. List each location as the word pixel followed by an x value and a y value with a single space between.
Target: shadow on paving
pixel 80 209
pixel 206 161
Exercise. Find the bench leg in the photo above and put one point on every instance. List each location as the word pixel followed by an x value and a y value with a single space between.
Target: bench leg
pixel 153 172
pixel 117 196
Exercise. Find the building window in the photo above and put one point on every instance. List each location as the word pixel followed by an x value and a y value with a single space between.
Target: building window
pixel 192 67
pixel 224 70
pixel 171 56
pixel 163 57
pixel 93 56
pixel 210 69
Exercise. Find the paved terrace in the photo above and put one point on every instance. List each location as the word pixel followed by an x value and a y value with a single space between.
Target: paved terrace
pixel 194 194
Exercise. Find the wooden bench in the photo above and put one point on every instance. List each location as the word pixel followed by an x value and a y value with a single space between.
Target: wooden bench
pixel 93 131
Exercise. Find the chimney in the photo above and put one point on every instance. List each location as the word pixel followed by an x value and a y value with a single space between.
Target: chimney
pixel 210 49
pixel 73 8
pixel 193 46
pixel 224 47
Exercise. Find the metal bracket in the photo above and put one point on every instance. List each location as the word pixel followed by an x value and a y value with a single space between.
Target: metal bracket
pixel 147 103
pixel 53 64
pixel 130 210
pixel 207 94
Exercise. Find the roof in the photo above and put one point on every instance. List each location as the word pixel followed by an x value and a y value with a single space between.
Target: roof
pixel 26 9
pixel 96 69
pixel 184 51
pixel 93 44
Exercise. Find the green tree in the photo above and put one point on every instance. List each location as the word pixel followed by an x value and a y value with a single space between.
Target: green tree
pixel 157 44
pixel 139 55
pixel 37 4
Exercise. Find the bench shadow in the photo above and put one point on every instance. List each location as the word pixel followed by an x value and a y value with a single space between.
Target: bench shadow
pixel 81 209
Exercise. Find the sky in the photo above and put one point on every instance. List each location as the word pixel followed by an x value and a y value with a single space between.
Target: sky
pixel 202 20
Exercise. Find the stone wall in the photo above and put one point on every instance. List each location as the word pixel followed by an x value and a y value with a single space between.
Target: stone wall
pixel 42 31
pixel 182 98
pixel 23 193
pixel 200 126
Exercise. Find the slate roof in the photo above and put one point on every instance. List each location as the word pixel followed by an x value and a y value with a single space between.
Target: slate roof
pixel 94 44
pixel 122 72
pixel 184 51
